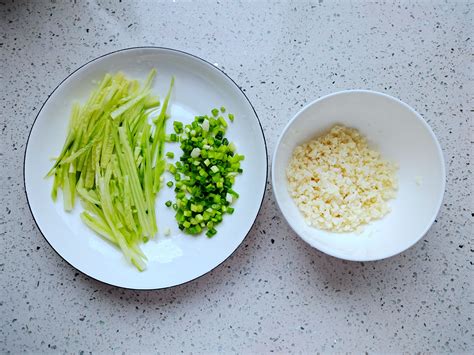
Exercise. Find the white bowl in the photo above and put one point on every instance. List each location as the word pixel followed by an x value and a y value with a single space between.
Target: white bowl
pixel 402 136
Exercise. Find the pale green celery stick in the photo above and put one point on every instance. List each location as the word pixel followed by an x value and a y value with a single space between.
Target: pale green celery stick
pixel 127 205
pixel 103 115
pixel 108 147
pixel 54 190
pixel 98 226
pixel 113 188
pixel 126 160
pixel 141 171
pixel 85 162
pixel 72 167
pixel 139 264
pixel 96 102
pixel 72 127
pixel 103 91
pixel 95 153
pixel 119 225
pixel 143 140
pixel 91 127
pixel 93 99
pixel 94 136
pixel 110 217
pixel 160 120
pixel 89 181
pixel 161 145
pixel 81 139
pixel 128 105
pixel 139 124
pixel 67 196
pixel 138 251
pixel 87 195
pixel 145 136
pixel 93 194
pixel 116 170
pixel 69 138
pixel 160 133
pixel 128 136
pixel 57 183
pixel 93 130
pixel 138 201
pixel 133 89
pixel 126 228
pixel 123 92
pixel 95 210
pixel 87 118
pixel 148 187
pixel 157 133
pixel 132 116
pixel 136 152
pixel 77 154
pixel 106 106
pixel 77 139
pixel 149 80
pixel 139 161
pixel 158 170
pixel 98 113
pixel 113 89
pixel 151 102
pixel 72 186
pixel 116 99
pixel 83 174
pixel 114 225
pixel 129 238
pixel 134 110
pixel 159 136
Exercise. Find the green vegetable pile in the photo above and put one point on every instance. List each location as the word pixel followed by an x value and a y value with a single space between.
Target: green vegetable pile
pixel 204 174
pixel 113 161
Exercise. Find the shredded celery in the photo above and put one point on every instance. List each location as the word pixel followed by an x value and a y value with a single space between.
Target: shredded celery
pixel 113 160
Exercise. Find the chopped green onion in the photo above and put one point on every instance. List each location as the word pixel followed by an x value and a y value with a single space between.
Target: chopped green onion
pixel 211 232
pixel 178 127
pixel 222 121
pixel 204 174
pixel 195 152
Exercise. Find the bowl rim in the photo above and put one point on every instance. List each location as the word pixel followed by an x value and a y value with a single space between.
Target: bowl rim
pixel 118 52
pixel 440 157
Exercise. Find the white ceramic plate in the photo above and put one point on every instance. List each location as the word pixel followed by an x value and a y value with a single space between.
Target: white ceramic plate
pixel 402 136
pixel 175 259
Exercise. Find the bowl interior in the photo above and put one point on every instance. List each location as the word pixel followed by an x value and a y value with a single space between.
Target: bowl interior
pixel 402 136
pixel 174 259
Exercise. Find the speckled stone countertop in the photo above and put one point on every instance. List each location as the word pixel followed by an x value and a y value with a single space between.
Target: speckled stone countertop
pixel 275 294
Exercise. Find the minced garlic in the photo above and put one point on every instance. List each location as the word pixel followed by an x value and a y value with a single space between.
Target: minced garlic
pixel 338 183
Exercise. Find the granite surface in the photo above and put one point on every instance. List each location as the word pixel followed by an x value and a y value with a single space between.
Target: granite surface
pixel 275 294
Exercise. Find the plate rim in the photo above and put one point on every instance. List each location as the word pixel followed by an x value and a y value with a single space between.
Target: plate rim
pixel 133 49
